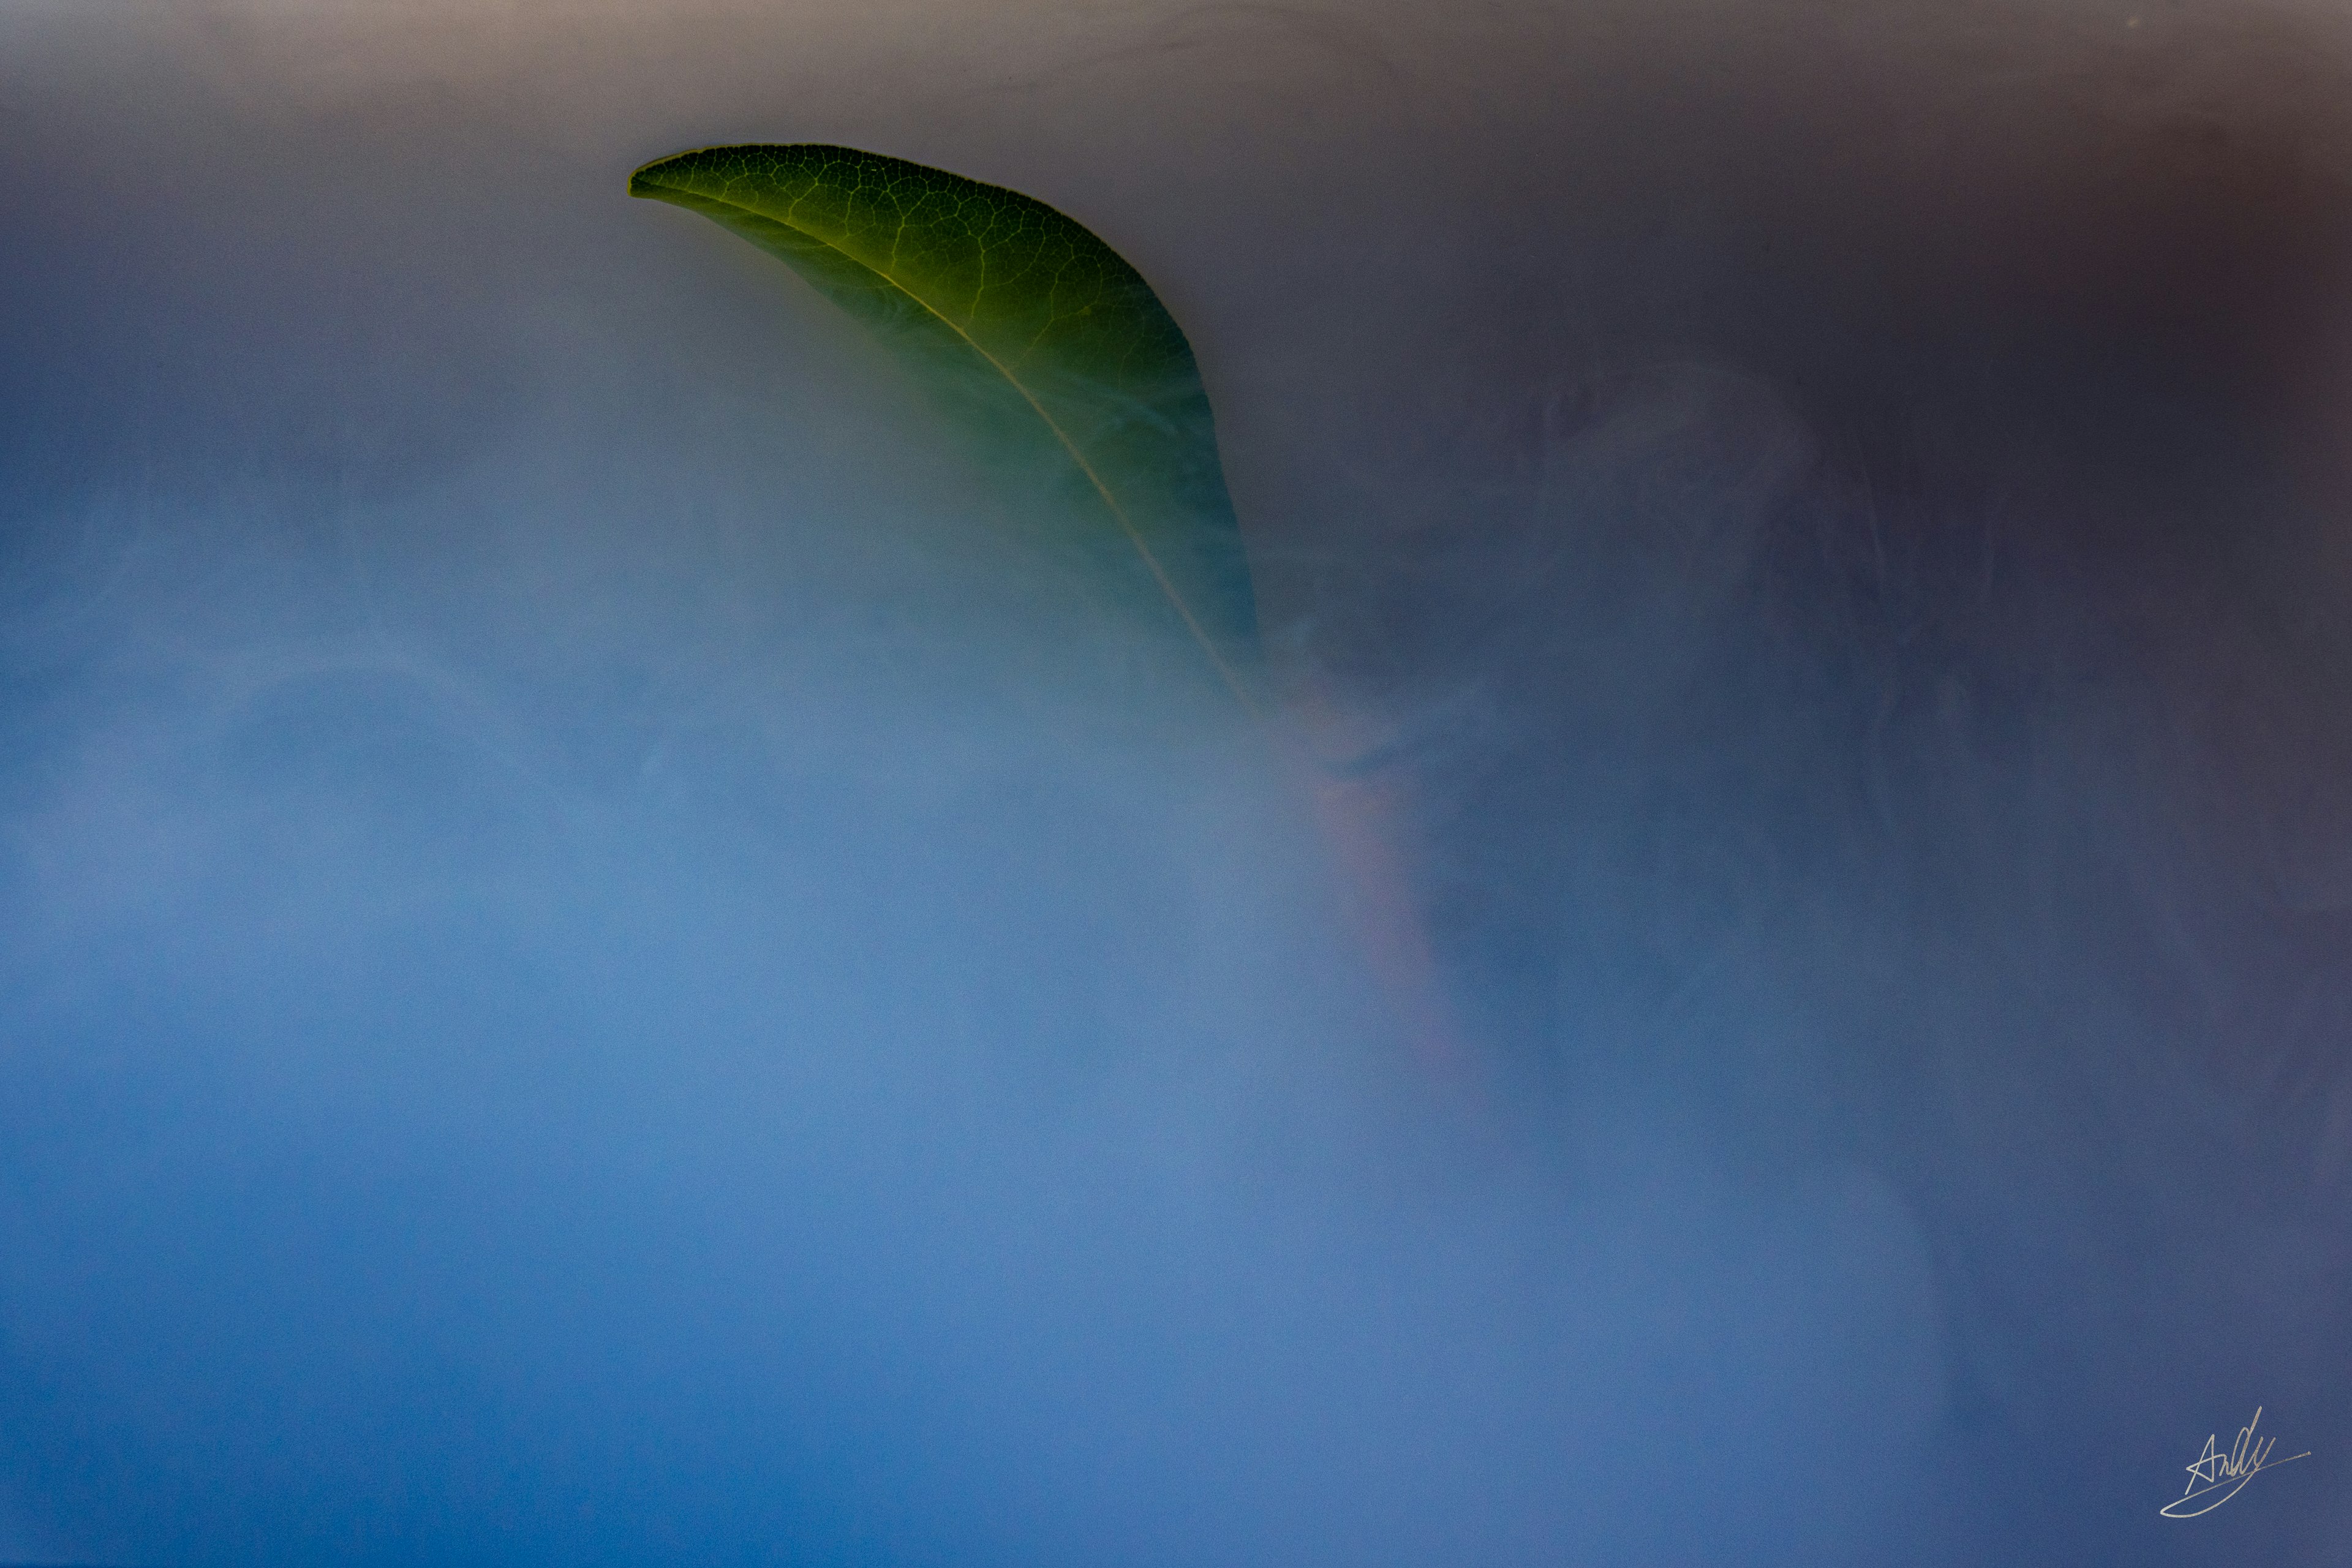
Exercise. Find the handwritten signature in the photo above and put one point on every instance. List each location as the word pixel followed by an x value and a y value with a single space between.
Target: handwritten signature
pixel 2225 1473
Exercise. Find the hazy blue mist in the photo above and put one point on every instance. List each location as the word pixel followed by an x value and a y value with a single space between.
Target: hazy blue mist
pixel 597 964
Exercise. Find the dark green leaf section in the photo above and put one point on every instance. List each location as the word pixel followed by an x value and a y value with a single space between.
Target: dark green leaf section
pixel 1038 335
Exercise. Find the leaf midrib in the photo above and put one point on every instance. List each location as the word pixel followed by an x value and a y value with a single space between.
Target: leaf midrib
pixel 1134 535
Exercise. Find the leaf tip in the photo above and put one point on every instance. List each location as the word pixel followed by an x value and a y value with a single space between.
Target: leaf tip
pixel 642 184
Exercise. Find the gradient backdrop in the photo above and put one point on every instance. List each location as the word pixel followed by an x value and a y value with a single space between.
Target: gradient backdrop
pixel 597 965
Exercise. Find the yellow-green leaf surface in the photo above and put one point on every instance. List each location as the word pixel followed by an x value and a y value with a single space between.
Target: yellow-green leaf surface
pixel 1032 329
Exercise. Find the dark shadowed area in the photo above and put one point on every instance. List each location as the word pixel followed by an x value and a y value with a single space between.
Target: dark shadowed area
pixel 599 965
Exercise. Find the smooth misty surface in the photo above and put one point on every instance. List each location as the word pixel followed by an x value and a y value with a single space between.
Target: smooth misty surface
pixel 608 958
pixel 1032 331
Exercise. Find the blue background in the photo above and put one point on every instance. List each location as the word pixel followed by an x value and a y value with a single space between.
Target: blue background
pixel 596 967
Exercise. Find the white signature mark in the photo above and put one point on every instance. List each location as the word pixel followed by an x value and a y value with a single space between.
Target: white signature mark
pixel 2225 1473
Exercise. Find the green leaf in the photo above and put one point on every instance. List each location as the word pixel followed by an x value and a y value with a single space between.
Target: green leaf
pixel 1037 334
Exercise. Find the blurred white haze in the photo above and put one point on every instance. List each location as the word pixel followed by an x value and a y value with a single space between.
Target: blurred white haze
pixel 598 966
